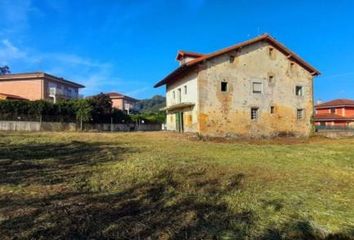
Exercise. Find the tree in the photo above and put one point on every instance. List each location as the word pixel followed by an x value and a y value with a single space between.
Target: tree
pixel 102 107
pixel 5 70
pixel 83 111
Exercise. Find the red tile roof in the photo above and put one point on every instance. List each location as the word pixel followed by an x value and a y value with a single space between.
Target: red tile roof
pixel 336 103
pixel 331 116
pixel 116 95
pixel 265 37
pixel 182 54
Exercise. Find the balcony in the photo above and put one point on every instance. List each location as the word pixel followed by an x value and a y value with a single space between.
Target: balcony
pixel 60 93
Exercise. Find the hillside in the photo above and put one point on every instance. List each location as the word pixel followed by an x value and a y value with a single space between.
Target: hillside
pixel 151 105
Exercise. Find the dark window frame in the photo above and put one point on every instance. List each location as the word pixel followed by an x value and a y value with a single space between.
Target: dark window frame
pixel 254 113
pixel 224 86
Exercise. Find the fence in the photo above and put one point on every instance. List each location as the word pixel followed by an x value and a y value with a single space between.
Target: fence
pixel 334 128
pixel 70 126
pixel 335 131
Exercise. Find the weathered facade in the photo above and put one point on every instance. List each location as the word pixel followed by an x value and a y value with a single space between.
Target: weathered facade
pixel 257 88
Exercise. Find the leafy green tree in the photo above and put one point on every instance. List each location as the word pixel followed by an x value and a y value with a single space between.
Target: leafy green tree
pixel 102 108
pixel 83 111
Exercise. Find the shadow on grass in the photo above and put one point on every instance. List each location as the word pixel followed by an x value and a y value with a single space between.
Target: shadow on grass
pixel 178 203
pixel 51 163
pixel 167 207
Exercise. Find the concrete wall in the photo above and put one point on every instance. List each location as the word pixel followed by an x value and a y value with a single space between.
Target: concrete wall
pixel 57 126
pixel 228 113
pixel 190 116
pixel 335 133
pixel 30 89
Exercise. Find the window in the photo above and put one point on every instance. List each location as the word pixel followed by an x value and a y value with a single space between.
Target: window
pixel 272 109
pixel 232 59
pixel 333 110
pixel 299 91
pixel 174 95
pixel 185 89
pixel 179 95
pixel 271 52
pixel 254 113
pixel 300 113
pixel 223 86
pixel 257 87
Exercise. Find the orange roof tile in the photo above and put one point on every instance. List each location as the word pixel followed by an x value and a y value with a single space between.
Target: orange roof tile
pixel 336 103
pixel 184 68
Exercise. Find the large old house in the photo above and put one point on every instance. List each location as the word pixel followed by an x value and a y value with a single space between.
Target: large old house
pixel 336 113
pixel 253 89
pixel 37 86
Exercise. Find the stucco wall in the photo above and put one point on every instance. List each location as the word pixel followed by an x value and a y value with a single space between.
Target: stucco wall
pixel 117 103
pixel 190 114
pixel 228 113
pixel 30 89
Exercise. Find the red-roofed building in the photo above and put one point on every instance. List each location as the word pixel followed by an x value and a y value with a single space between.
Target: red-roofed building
pixel 337 113
pixel 38 86
pixel 122 102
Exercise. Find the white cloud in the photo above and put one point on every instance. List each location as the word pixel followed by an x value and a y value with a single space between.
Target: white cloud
pixel 8 52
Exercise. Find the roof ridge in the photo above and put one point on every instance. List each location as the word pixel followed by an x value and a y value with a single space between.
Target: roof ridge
pixel 263 37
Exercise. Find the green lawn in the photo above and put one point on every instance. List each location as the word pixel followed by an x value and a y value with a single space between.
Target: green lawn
pixel 170 186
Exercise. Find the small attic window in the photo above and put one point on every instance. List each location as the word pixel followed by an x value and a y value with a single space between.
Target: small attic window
pixel 223 86
pixel 231 58
pixel 271 52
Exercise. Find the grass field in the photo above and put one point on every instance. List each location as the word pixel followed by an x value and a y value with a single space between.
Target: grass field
pixel 169 186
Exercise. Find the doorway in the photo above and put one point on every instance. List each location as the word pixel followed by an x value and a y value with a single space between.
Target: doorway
pixel 179 122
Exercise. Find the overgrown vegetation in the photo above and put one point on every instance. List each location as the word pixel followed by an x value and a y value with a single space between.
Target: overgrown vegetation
pixel 167 186
pixel 97 109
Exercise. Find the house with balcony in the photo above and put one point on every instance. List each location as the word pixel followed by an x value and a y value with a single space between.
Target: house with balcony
pixel 257 88
pixel 335 113
pixel 39 86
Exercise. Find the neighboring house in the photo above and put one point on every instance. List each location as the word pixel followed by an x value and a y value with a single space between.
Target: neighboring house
pixel 337 113
pixel 39 85
pixel 4 96
pixel 122 102
pixel 252 89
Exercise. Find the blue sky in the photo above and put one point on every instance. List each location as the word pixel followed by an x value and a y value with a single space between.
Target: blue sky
pixel 128 45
